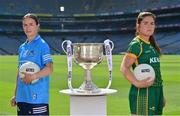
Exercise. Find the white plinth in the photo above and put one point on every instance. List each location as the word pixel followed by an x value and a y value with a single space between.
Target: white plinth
pixel 88 104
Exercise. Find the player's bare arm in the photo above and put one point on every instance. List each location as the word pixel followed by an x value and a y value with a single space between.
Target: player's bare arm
pixel 125 69
pixel 13 99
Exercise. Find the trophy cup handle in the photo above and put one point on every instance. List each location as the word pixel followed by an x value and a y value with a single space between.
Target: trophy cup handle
pixel 112 45
pixel 68 43
pixel 69 54
pixel 108 50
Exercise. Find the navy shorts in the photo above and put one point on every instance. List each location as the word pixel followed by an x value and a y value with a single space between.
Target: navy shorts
pixel 32 109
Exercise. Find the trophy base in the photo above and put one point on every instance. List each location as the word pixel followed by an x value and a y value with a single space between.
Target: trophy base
pixel 88 87
pixel 75 92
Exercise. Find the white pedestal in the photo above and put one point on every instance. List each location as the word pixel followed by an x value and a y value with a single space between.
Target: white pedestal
pixel 88 104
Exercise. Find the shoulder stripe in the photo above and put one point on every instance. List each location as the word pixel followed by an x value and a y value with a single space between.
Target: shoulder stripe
pixel 131 55
pixel 140 50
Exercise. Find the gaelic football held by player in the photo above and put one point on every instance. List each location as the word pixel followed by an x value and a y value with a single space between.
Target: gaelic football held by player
pixel 145 97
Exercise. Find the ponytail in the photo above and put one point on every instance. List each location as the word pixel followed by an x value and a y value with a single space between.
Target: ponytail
pixel 154 44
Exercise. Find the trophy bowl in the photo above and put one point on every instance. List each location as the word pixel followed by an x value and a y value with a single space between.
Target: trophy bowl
pixel 88 55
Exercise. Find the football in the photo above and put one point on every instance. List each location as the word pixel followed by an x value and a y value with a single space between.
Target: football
pixel 30 68
pixel 143 71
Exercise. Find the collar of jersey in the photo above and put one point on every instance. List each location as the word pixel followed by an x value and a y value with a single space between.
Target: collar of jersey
pixel 35 39
pixel 147 42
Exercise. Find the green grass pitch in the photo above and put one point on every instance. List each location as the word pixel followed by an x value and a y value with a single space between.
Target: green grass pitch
pixel 117 104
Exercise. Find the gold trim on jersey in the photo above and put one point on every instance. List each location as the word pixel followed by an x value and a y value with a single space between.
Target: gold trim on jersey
pixel 147 42
pixel 133 56
pixel 140 51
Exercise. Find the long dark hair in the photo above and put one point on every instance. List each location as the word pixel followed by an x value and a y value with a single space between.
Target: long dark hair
pixel 152 40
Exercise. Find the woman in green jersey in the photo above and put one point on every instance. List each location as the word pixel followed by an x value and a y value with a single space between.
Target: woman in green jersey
pixel 145 97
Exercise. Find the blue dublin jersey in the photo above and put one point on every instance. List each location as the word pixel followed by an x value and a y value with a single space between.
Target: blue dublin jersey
pixel 36 51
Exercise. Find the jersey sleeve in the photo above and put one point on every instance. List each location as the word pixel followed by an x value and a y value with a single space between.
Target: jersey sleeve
pixel 46 56
pixel 133 49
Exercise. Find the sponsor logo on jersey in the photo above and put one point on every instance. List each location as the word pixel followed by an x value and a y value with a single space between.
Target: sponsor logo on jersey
pixel 148 51
pixel 154 60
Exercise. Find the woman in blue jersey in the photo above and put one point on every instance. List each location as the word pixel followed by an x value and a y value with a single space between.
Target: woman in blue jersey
pixel 33 98
pixel 145 97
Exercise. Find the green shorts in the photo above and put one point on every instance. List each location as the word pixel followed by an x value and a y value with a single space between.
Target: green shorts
pixel 146 101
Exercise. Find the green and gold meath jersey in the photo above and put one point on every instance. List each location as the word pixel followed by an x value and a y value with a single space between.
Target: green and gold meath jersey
pixel 144 53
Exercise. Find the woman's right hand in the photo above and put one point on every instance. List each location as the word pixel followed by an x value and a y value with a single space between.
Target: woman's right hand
pixel 144 83
pixel 13 101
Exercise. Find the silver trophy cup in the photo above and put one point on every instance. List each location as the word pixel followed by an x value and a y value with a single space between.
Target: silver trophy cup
pixel 87 55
